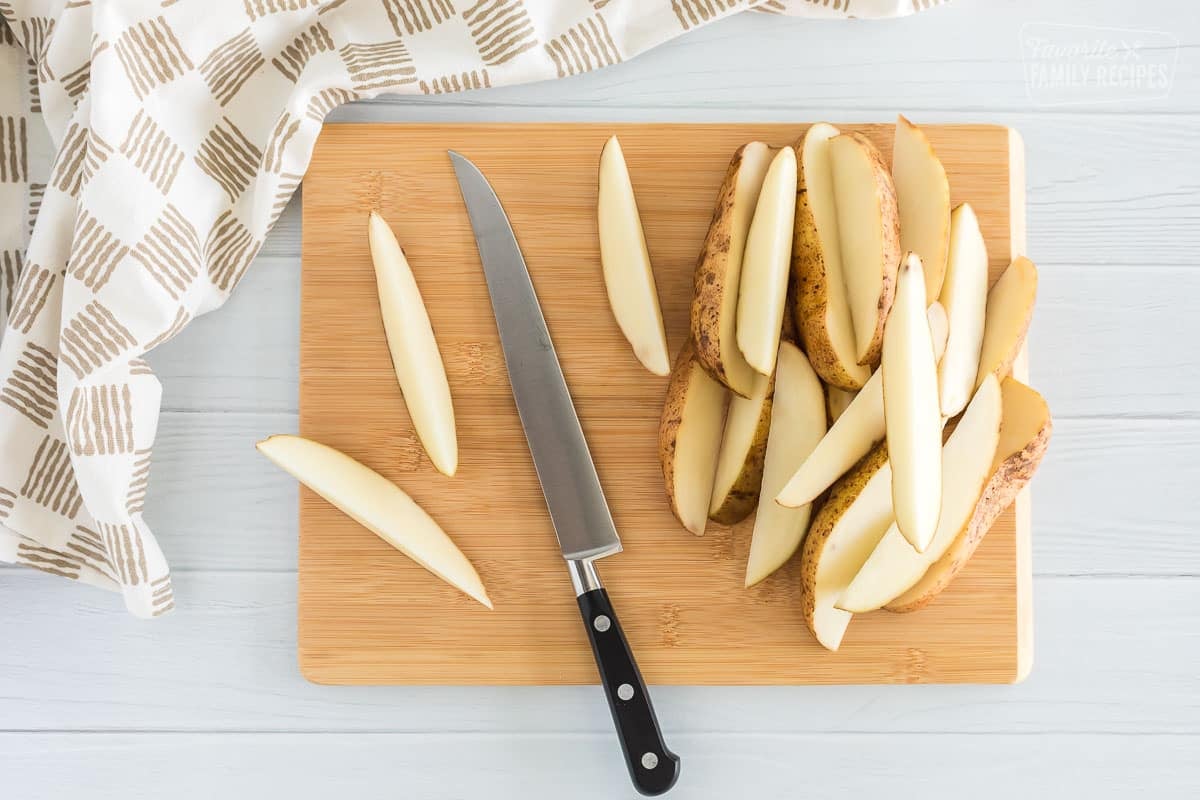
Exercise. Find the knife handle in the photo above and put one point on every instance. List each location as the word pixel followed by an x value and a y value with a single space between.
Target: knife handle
pixel 653 768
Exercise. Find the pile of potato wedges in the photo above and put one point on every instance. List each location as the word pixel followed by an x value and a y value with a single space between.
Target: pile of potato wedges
pixel 847 378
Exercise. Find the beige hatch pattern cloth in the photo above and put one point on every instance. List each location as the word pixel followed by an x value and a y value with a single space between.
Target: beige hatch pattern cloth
pixel 146 148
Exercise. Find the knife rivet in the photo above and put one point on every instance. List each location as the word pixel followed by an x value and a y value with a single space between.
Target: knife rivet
pixel 602 623
pixel 649 760
pixel 625 691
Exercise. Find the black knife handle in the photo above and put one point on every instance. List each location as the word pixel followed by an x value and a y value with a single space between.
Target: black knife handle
pixel 653 768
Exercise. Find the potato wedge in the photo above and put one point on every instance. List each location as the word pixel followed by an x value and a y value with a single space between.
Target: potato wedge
pixel 939 328
pixel 869 230
pixel 378 505
pixel 844 532
pixel 910 408
pixel 837 401
pixel 1009 312
pixel 1025 430
pixel 415 356
pixel 923 200
pixel 853 434
pixel 689 438
pixel 822 315
pixel 797 424
pixel 718 270
pixel 964 296
pixel 743 449
pixel 894 566
pixel 625 262
pixel 764 280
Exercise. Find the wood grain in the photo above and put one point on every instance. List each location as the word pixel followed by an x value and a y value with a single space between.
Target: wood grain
pixel 1113 201
pixel 368 615
pixel 225 660
pixel 315 767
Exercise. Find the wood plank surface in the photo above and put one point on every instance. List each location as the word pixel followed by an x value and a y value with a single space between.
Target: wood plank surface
pixel 367 615
pixel 226 661
pixel 1114 196
pixel 719 766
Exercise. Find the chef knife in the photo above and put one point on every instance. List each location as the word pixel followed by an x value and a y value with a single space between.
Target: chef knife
pixel 564 466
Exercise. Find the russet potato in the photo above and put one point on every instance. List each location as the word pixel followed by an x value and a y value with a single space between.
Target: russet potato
pixel 1025 430
pixel 894 565
pixel 689 438
pixel 719 267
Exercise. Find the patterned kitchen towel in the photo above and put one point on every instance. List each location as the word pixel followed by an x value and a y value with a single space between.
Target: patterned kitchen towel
pixel 146 148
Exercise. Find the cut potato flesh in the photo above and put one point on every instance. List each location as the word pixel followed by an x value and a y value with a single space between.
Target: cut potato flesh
pixel 822 315
pixel 378 505
pixel 841 537
pixel 1025 430
pixel 964 296
pixel 718 270
pixel 837 401
pixel 764 278
pixel 689 438
pixel 868 229
pixel 852 435
pixel 797 424
pixel 415 356
pixel 894 566
pixel 911 412
pixel 743 448
pixel 1009 311
pixel 625 262
pixel 939 328
pixel 923 198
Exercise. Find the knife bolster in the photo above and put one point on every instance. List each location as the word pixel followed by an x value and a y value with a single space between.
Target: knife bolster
pixel 584 576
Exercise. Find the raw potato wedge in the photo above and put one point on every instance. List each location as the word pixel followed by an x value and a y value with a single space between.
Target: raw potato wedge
pixel 837 401
pixel 415 356
pixel 1024 436
pixel 764 280
pixel 964 296
pixel 869 230
pixel 689 438
pixel 625 262
pixel 797 424
pixel 939 328
pixel 853 434
pixel 718 270
pixel 743 449
pixel 911 413
pixel 1009 312
pixel 821 313
pixel 894 566
pixel 378 505
pixel 841 537
pixel 923 199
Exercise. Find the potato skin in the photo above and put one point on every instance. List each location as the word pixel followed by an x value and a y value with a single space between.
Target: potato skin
pixel 672 417
pixel 788 332
pixel 743 495
pixel 841 495
pixel 810 293
pixel 709 278
pixel 811 297
pixel 1001 489
pixel 889 212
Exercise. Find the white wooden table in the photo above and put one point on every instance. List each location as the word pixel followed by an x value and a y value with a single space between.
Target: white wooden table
pixel 209 703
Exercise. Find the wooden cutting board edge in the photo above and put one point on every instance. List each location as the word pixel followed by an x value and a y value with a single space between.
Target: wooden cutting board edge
pixel 1023 505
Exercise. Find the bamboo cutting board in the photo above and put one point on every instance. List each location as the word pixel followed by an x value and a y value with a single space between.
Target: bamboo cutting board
pixel 368 615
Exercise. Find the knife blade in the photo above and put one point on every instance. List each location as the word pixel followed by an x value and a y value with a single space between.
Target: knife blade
pixel 574 496
pixel 560 453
